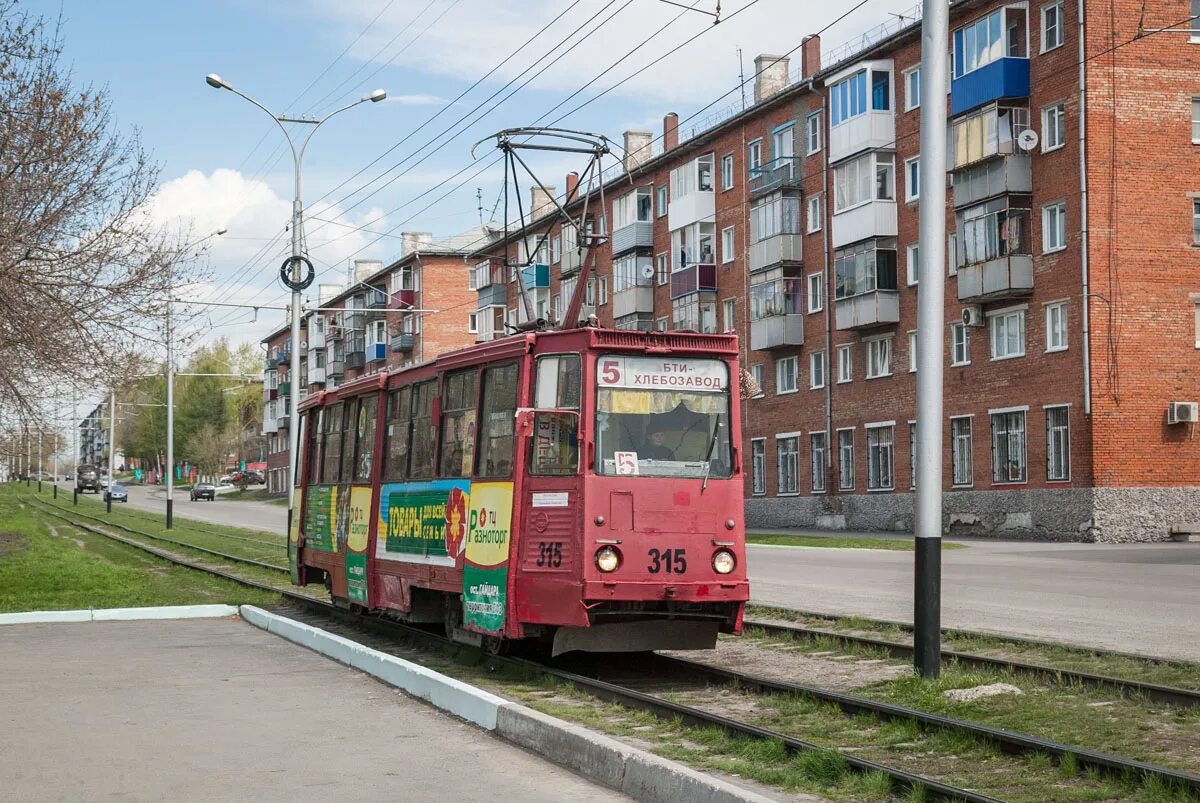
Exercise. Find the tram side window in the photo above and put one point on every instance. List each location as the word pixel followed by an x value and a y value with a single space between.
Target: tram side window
pixel 458 424
pixel 399 416
pixel 366 438
pixel 348 419
pixel 333 444
pixel 424 435
pixel 556 435
pixel 312 436
pixel 499 418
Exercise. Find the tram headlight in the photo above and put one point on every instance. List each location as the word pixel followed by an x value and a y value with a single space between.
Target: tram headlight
pixel 723 561
pixel 608 559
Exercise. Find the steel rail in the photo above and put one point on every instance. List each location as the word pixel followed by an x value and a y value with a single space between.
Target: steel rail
pixel 1151 691
pixel 192 525
pixel 598 688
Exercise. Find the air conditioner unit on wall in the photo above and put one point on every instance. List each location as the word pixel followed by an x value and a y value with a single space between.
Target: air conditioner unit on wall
pixel 972 315
pixel 1182 413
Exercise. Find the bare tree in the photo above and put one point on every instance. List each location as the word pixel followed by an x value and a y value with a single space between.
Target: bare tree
pixel 83 269
pixel 209 448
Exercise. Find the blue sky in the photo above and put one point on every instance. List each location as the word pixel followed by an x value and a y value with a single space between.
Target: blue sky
pixel 223 163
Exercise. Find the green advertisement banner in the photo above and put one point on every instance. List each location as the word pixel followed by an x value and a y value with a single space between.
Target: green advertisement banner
pixel 358 531
pixel 484 597
pixel 485 571
pixel 320 518
pixel 423 522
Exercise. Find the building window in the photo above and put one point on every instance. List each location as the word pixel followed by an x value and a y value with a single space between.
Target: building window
pixel 788 457
pixel 756 371
pixel 754 155
pixel 814 213
pixel 661 206
pixel 1053 125
pixel 952 254
pixel 852 180
pixel 660 324
pixel 556 249
pixel 912 89
pixel 912 352
pixel 988 39
pixel 1195 37
pixel 912 256
pixel 1058 444
pixel 879 457
pixel 1008 447
pixel 1056 326
pixel 728 315
pixel 758 466
pixel 782 142
pixel 1007 334
pixel 912 454
pixel 912 178
pixel 603 290
pixel 960 452
pixel 865 268
pixel 1052 26
pixel 813 128
pixel 727 172
pixel 472 322
pixel 727 245
pixel 1196 119
pixel 845 459
pixel 845 361
pixel 816 370
pixel 817 449
pixel 662 269
pixel 785 376
pixel 960 344
pixel 879 357
pixel 1054 227
pixel 816 292
pixel 848 97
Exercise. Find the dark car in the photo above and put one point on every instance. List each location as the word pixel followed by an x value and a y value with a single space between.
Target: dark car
pixel 204 490
pixel 118 493
pixel 87 478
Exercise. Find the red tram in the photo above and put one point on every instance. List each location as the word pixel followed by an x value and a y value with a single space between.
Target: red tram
pixel 581 487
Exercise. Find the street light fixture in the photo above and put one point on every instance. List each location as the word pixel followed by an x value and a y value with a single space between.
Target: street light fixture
pixel 297 280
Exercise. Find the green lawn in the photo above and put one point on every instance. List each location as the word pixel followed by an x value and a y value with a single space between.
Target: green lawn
pixel 839 542
pixel 64 568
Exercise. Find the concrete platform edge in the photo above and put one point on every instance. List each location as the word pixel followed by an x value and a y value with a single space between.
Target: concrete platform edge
pixel 599 758
pixel 119 614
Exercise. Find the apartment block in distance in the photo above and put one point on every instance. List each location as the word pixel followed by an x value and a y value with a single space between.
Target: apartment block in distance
pixel 1072 313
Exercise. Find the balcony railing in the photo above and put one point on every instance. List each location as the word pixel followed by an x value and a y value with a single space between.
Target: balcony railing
pixel 269 363
pixel 377 300
pixel 876 308
pixel 572 260
pixel 355 360
pixel 862 222
pixel 402 342
pixel 776 250
pixel 376 352
pixel 639 234
pixel 1004 78
pixel 316 376
pixel 1011 174
pixel 493 295
pixel 536 276
pixel 335 368
pixel 284 358
pixel 695 278
pixel 777 331
pixel 633 300
pixel 779 173
pixel 404 299
pixel 285 388
pixel 282 421
pixel 995 260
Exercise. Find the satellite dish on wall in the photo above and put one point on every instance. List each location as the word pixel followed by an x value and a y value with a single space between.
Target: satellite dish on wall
pixel 1027 140
pixel 647 271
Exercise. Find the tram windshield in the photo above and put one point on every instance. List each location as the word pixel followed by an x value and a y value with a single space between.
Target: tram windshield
pixel 662 417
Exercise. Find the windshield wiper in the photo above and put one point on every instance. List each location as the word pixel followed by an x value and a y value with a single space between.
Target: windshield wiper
pixel 708 459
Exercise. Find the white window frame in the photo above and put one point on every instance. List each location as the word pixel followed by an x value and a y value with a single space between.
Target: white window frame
pixel 874 347
pixel 912 178
pixel 754 154
pixel 1057 211
pixel 795 383
pixel 1195 37
pixel 727 244
pixel 661 324
pixel 758 467
pixel 662 269
pixel 1196 222
pixel 812 133
pixel 759 373
pixel 1054 119
pixel 1056 331
pixel 794 437
pixel 956 455
pixel 1024 462
pixel 729 315
pixel 1046 46
pixel 889 449
pixel 909 75
pixel 473 323
pixel 1196 120
pixel 661 201
pixel 843 464
pixel 912 263
pixel 958 357
pixel 1006 314
pixel 816 370
pixel 817 467
pixel 816 301
pixel 815 213
pixel 603 290
pixel 1065 475
pixel 952 254
pixel 845 363
pixel 912 351
pixel 727 179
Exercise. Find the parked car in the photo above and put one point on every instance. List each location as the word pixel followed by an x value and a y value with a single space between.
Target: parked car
pixel 68 476
pixel 204 490
pixel 43 476
pixel 87 479
pixel 226 479
pixel 118 493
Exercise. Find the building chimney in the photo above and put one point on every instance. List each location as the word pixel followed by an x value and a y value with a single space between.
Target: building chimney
pixel 810 56
pixel 770 76
pixel 541 201
pixel 366 268
pixel 413 241
pixel 637 149
pixel 326 292
pixel 572 186
pixel 670 131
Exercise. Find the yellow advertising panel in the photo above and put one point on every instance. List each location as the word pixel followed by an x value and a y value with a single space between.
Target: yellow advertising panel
pixel 359 526
pixel 490 521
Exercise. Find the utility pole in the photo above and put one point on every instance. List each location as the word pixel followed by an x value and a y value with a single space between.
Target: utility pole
pixel 112 443
pixel 931 289
pixel 170 408
pixel 41 460
pixel 28 453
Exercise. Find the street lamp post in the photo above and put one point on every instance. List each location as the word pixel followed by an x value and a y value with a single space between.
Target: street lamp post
pixel 297 280
pixel 112 443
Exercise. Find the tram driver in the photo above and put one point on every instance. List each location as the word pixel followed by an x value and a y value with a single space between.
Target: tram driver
pixel 655 447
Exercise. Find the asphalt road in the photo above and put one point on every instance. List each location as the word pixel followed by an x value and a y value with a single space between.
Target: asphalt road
pixel 1134 597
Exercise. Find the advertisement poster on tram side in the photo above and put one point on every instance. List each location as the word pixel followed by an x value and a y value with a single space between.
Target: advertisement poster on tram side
pixel 423 522
pixel 485 572
pixel 358 531
pixel 294 537
pixel 320 518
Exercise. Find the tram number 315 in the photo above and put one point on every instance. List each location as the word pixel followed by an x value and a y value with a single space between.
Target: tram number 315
pixel 669 561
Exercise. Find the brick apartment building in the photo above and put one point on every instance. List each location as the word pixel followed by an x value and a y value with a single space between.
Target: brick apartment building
pixel 1073 291
pixel 413 309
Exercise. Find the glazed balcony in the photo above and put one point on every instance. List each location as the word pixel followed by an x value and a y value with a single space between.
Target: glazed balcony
pixel 876 308
pixel 862 222
pixel 316 376
pixel 335 369
pixel 978 182
pixel 777 331
pixel 535 277
pixel 778 174
pixel 402 342
pixel 403 300
pixel 776 250
pixel 376 352
pixel 639 234
pixel 1003 78
pixel 493 295
pixel 633 300
pixel 695 278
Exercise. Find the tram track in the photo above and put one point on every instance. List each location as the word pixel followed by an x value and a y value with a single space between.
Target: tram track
pixel 686 673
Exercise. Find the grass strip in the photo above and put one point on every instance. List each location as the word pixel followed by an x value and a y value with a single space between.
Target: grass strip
pixel 839 541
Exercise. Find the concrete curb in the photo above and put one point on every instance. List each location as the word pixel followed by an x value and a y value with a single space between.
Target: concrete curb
pixel 599 758
pixel 120 614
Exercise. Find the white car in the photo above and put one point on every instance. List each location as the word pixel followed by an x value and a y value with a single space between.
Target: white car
pixel 226 480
